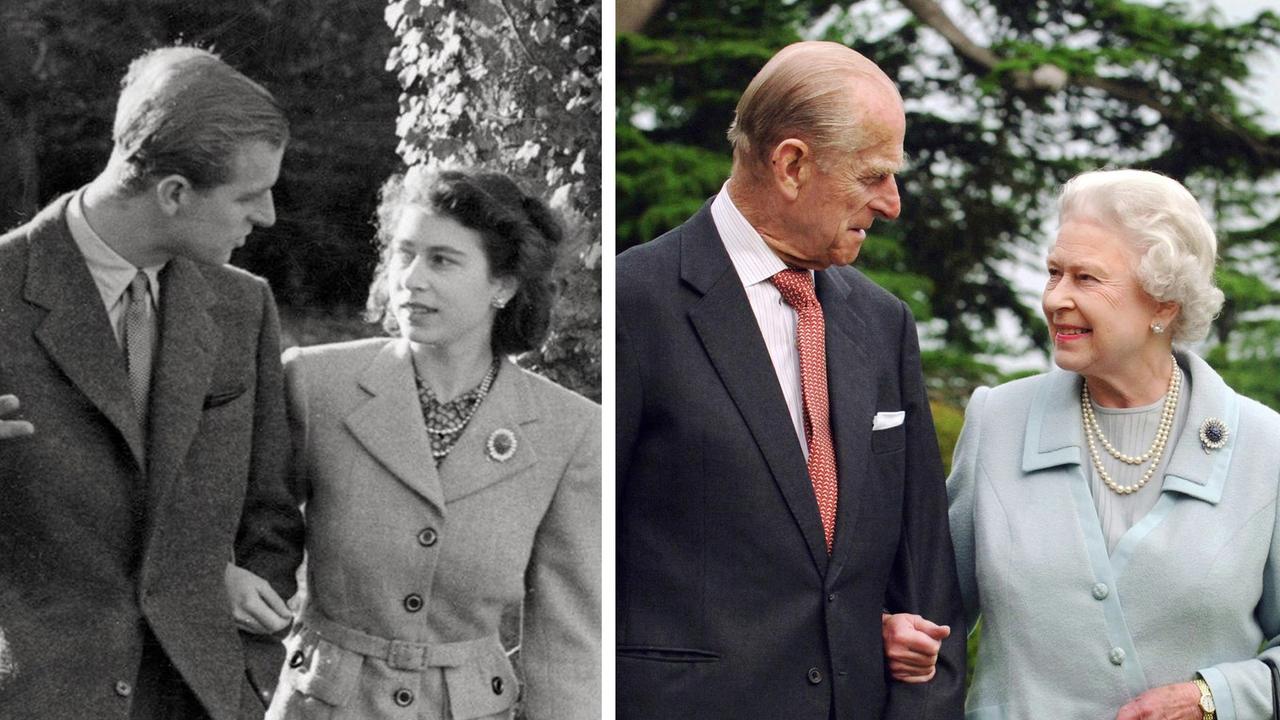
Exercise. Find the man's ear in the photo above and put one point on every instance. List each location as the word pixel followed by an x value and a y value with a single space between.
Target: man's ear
pixel 790 166
pixel 172 193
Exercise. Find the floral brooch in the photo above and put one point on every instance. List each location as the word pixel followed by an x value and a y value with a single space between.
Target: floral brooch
pixel 502 445
pixel 1213 434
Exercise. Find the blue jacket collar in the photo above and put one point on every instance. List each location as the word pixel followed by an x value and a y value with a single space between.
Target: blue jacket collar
pixel 1054 436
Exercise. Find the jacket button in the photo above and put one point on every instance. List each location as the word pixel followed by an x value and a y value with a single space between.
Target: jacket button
pixel 496 684
pixel 1101 591
pixel 1117 656
pixel 427 537
pixel 297 659
pixel 815 676
pixel 123 689
pixel 403 697
pixel 413 602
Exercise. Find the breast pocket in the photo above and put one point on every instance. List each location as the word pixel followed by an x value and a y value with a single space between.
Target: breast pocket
pixel 889 440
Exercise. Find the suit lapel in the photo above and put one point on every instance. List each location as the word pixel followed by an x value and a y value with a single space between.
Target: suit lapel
pixel 731 336
pixel 189 342
pixel 510 406
pixel 389 424
pixel 77 333
pixel 852 397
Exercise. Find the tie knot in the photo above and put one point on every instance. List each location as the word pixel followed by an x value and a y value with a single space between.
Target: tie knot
pixel 796 287
pixel 139 286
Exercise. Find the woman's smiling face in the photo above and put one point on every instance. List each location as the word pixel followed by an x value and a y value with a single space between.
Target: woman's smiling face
pixel 1098 314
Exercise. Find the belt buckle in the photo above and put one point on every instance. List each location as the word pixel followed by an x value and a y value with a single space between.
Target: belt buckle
pixel 406 655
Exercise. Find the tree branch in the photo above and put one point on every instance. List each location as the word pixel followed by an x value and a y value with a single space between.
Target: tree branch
pixel 1050 78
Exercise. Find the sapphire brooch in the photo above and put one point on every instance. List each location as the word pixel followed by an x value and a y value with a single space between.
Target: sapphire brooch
pixel 1213 434
pixel 501 445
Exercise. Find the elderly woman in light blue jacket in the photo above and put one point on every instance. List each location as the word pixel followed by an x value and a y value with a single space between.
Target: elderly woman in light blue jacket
pixel 1115 520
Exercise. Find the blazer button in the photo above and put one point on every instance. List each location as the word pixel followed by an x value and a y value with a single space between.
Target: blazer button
pixel 496 684
pixel 815 676
pixel 427 537
pixel 1117 656
pixel 403 697
pixel 123 689
pixel 413 602
pixel 296 659
pixel 1101 591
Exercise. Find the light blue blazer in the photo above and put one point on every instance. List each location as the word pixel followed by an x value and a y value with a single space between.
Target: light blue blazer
pixel 1070 632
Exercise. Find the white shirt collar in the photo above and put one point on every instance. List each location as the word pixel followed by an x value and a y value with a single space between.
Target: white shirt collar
pixel 751 257
pixel 111 273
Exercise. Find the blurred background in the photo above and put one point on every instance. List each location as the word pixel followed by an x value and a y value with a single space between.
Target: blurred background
pixel 512 85
pixel 1006 100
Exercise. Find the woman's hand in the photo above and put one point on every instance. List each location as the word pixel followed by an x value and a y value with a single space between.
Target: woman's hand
pixel 911 645
pixel 12 428
pixel 255 605
pixel 1180 701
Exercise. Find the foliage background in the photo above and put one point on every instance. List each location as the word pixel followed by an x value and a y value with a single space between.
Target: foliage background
pixel 331 65
pixel 1004 105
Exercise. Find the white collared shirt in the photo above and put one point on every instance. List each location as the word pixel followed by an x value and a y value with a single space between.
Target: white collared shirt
pixel 111 273
pixel 755 264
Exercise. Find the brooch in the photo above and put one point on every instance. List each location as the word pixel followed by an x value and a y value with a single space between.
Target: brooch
pixel 1213 434
pixel 501 445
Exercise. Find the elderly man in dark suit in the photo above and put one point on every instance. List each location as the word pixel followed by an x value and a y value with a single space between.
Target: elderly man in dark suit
pixel 147 452
pixel 779 481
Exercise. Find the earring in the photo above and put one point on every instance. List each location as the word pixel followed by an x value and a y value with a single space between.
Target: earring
pixel 1157 328
pixel 499 303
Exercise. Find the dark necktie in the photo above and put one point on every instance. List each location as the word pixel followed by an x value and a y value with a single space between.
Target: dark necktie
pixel 139 344
pixel 796 287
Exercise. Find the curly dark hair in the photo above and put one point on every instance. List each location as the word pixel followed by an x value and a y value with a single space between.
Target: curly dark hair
pixel 521 239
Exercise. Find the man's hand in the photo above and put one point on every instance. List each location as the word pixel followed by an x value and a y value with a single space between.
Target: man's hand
pixel 911 645
pixel 12 428
pixel 1180 701
pixel 256 607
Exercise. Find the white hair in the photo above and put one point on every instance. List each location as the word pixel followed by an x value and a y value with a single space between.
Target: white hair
pixel 1163 222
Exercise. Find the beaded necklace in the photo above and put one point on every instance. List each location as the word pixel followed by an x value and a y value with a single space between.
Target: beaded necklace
pixel 446 420
pixel 1153 453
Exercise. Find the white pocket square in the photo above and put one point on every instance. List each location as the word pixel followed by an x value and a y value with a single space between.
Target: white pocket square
pixel 886 420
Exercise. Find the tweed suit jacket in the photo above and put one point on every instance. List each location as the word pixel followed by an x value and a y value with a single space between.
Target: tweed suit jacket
pixel 94 550
pixel 432 557
pixel 1193 586
pixel 728 605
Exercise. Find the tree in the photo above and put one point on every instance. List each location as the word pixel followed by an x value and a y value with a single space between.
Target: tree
pixel 514 85
pixel 1000 114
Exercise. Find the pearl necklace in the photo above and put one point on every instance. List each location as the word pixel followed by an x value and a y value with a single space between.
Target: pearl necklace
pixel 481 393
pixel 1153 453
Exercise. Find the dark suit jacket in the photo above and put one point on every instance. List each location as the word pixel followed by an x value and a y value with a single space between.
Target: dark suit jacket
pixel 728 605
pixel 95 552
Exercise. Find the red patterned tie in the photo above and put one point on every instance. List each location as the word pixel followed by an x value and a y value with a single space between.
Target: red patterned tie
pixel 796 287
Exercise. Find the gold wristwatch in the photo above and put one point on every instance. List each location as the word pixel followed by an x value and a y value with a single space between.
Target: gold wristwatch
pixel 1206 700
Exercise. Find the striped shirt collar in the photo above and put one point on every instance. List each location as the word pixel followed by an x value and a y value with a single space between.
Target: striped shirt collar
pixel 754 261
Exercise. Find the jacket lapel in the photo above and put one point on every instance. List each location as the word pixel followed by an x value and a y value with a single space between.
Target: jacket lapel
pixel 1192 471
pixel 189 342
pixel 389 424
pixel 77 333
pixel 731 336
pixel 851 394
pixel 509 406
pixel 1054 424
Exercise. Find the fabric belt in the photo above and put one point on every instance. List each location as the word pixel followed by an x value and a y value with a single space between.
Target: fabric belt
pixel 399 654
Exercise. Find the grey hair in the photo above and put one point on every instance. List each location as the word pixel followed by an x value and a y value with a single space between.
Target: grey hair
pixel 1160 219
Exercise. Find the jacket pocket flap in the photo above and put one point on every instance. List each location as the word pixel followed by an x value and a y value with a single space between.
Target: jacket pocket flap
pixel 222 397
pixel 484 686
pixel 322 670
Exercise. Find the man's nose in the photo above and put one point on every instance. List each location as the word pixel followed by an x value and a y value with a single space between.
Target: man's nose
pixel 888 204
pixel 265 214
